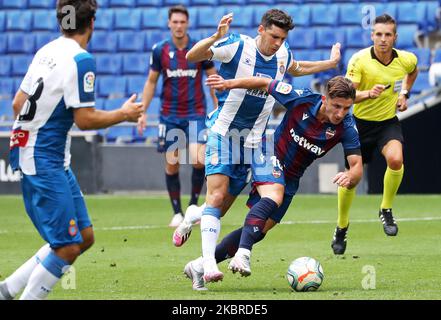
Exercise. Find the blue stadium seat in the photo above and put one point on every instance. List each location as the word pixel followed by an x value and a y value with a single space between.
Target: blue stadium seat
pixel 153 37
pixel 267 2
pixel 5 66
pixel 259 11
pixel 421 82
pixel 324 15
pixel 121 3
pixel 351 14
pixel 135 84
pixel 18 81
pixel 433 10
pixel 243 16
pixel 437 55
pixel 307 55
pixel 111 87
pixel 42 38
pixel 175 2
pixel 45 20
pixel 104 19
pixel 113 104
pixel 2 20
pixel 213 2
pixel 99 103
pixel 14 4
pixel 103 3
pixel 406 35
pixel 210 17
pixel 3 43
pixel 347 56
pixel 303 81
pixel 103 41
pixel 301 38
pixel 120 134
pixel 17 20
pixel 19 42
pixel 6 111
pixel 423 55
pixel 136 63
pixel 127 19
pixel 327 36
pixel 357 37
pixel 300 14
pixel 131 41
pixel 20 64
pixel 154 18
pixel 388 7
pixel 6 88
pixel 108 63
pixel 148 3
pixel 44 4
pixel 154 107
pixel 411 12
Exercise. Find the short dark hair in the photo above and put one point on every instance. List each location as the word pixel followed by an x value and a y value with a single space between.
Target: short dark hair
pixel 386 19
pixel 278 18
pixel 178 9
pixel 84 14
pixel 340 87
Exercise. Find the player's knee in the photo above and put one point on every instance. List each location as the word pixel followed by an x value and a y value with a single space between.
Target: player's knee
pixel 171 169
pixel 88 242
pixel 395 162
pixel 199 166
pixel 216 199
pixel 69 253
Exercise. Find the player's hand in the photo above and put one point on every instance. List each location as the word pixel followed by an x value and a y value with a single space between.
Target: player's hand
pixel 142 123
pixel 335 54
pixel 224 26
pixel 402 103
pixel 376 91
pixel 132 110
pixel 216 82
pixel 342 179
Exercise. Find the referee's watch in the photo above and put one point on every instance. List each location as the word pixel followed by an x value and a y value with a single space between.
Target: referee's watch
pixel 405 93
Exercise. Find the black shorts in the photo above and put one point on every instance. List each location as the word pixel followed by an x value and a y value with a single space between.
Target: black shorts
pixel 376 134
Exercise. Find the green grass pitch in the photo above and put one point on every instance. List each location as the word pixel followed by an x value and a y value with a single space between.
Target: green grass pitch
pixel 134 258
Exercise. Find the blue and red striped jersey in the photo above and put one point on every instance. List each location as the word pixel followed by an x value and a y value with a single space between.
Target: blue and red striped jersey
pixel 182 94
pixel 301 137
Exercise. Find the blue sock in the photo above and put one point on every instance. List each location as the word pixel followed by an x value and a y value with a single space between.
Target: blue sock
pixel 255 222
pixel 174 191
pixel 55 265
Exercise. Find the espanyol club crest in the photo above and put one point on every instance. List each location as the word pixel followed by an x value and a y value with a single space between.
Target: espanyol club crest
pixel 282 68
pixel 329 133
pixel 72 228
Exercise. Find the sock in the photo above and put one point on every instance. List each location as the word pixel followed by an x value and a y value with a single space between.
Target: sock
pixel 210 229
pixel 44 277
pixel 18 280
pixel 228 246
pixel 174 191
pixel 255 222
pixel 197 181
pixel 194 214
pixel 345 197
pixel 392 181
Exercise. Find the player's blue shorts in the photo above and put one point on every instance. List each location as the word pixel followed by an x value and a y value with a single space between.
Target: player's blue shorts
pixel 55 204
pixel 177 134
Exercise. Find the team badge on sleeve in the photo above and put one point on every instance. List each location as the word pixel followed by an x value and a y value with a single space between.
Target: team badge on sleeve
pixel 73 230
pixel 283 88
pixel 89 81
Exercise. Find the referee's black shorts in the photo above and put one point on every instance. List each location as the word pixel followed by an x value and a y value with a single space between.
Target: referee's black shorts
pixel 376 134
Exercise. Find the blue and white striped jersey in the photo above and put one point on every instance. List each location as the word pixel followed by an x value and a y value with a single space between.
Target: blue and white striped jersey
pixel 60 78
pixel 244 109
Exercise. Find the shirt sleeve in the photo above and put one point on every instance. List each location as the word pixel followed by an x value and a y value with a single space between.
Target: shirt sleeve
pixel 207 64
pixel 285 94
pixel 225 49
pixel 26 84
pixel 354 69
pixel 410 62
pixel 350 139
pixel 155 58
pixel 79 85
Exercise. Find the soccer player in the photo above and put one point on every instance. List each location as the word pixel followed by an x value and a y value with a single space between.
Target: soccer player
pixel 312 125
pixel 183 107
pixel 383 77
pixel 240 121
pixel 57 90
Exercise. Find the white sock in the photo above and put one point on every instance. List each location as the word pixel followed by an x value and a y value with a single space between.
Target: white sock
pixel 18 280
pixel 210 229
pixel 40 284
pixel 194 215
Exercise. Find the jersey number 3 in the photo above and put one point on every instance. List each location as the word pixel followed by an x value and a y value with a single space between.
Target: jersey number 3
pixel 30 108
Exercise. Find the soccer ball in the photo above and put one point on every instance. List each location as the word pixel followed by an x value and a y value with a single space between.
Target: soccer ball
pixel 305 274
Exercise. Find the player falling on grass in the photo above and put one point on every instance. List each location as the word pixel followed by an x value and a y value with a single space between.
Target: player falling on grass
pixel 241 118
pixel 57 90
pixel 183 108
pixel 390 73
pixel 312 125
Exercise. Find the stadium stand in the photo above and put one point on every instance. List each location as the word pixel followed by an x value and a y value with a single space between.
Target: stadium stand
pixel 126 31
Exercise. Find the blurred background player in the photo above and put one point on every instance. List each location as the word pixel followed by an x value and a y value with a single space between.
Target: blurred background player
pixel 58 90
pixel 241 118
pixel 183 107
pixel 312 125
pixel 383 77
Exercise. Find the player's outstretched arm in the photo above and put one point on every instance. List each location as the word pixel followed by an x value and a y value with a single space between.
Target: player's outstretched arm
pixel 218 83
pixel 91 119
pixel 201 50
pixel 350 178
pixel 301 68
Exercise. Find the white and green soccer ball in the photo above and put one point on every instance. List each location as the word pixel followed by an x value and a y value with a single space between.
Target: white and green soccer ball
pixel 305 274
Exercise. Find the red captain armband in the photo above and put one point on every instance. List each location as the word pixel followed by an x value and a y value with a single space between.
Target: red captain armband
pixel 19 138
